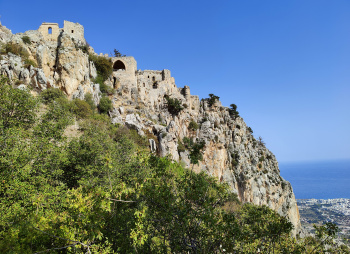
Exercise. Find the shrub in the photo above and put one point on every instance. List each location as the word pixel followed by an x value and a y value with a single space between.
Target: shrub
pixel 51 94
pixel 26 39
pixel 103 66
pixel 106 89
pixel 14 49
pixel 105 105
pixel 234 159
pixel 84 48
pixel 212 99
pixel 88 98
pixel 193 126
pixel 81 108
pixel 29 62
pixel 233 112
pixel 250 130
pixel 180 146
pixel 187 142
pixel 174 105
pixel 117 53
pixel 261 159
pixel 261 142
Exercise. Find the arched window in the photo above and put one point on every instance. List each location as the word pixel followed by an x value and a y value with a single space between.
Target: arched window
pixel 153 78
pixel 72 31
pixel 50 30
pixel 118 65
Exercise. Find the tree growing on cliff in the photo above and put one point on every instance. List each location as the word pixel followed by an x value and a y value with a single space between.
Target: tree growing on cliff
pixel 233 111
pixel 212 99
pixel 174 105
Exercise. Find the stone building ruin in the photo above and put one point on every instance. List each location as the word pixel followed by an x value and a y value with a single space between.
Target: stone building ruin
pixel 51 31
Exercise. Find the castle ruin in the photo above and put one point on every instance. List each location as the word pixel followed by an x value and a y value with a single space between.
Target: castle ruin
pixel 51 31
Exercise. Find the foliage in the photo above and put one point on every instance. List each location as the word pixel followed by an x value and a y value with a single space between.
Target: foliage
pixel 51 94
pixel 116 53
pixel 81 108
pixel 26 39
pixel 84 48
pixel 89 99
pixel 174 105
pixel 29 62
pixel 180 146
pixel 106 89
pixel 105 105
pixel 234 113
pixel 103 66
pixel 261 141
pixel 102 193
pixel 16 49
pixel 193 126
pixel 195 149
pixel 212 99
pixel 250 130
pixel 17 107
pixel 234 159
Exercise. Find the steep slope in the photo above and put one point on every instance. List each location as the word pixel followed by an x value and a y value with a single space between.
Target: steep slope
pixel 230 153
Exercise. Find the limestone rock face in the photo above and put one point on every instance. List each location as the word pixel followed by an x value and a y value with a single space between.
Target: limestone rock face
pixel 231 153
pixel 60 62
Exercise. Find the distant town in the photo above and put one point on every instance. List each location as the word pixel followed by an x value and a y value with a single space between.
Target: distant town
pixel 316 211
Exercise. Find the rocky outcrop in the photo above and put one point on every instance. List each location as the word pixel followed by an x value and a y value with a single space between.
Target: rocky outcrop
pixel 57 63
pixel 231 153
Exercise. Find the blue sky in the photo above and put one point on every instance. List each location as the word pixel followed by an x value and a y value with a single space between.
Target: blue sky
pixel 285 64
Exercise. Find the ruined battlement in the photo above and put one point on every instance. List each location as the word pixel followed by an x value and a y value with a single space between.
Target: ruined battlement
pixel 51 31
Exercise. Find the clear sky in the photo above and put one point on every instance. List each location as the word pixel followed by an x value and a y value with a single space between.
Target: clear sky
pixel 285 64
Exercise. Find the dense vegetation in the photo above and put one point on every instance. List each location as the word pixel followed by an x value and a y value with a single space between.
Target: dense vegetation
pixel 174 105
pixel 102 192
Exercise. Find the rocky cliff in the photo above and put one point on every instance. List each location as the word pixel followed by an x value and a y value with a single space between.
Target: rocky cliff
pixel 230 153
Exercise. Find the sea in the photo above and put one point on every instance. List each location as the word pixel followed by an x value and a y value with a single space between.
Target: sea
pixel 319 180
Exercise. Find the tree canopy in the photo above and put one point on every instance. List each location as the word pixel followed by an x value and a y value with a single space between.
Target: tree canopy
pixel 103 192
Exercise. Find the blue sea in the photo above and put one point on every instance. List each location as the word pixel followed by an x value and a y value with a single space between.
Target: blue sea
pixel 319 180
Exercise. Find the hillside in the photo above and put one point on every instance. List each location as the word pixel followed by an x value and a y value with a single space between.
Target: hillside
pixel 54 57
pixel 99 157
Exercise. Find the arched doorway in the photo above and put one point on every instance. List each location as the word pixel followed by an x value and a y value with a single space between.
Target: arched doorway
pixel 118 65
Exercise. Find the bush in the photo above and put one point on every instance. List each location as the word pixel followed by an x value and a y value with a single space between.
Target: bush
pixel 103 66
pixel 105 105
pixel 26 39
pixel 84 48
pixel 29 62
pixel 233 112
pixel 51 94
pixel 81 108
pixel 106 89
pixel 88 98
pixel 174 105
pixel 212 99
pixel 14 49
pixel 250 130
pixel 193 126
pixel 180 146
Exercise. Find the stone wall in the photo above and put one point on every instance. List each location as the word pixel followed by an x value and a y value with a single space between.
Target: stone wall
pixel 50 31
pixel 74 30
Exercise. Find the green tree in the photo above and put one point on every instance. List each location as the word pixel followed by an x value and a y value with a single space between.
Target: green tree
pixel 51 94
pixel 212 99
pixel 174 105
pixel 233 111
pixel 17 106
